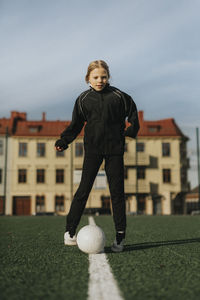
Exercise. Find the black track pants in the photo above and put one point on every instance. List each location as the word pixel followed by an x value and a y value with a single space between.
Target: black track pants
pixel 114 168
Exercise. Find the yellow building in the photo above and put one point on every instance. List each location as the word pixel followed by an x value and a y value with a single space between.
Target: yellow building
pixel 6 126
pixel 44 181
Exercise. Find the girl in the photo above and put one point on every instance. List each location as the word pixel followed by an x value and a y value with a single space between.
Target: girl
pixel 103 109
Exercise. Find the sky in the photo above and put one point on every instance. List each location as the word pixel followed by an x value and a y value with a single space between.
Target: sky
pixel 152 48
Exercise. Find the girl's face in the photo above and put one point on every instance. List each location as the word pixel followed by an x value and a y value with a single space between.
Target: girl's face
pixel 98 78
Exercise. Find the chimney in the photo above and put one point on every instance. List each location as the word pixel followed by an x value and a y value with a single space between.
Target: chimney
pixel 18 115
pixel 141 115
pixel 43 116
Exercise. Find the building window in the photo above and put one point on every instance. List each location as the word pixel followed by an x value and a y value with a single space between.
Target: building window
pixel 78 149
pixel 105 202
pixel 59 203
pixel 165 149
pixel 35 129
pixel 140 147
pixel 60 176
pixel 40 149
pixel 60 154
pixel 22 176
pixel 166 175
pixel 140 173
pixel 23 149
pixel 40 178
pixel 154 129
pixel 1 147
pixel 141 203
pixel 1 175
pixel 40 204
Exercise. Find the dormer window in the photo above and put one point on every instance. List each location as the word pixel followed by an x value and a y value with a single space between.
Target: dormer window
pixel 153 129
pixel 34 129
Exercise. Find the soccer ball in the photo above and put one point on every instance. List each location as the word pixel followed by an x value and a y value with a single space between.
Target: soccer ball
pixel 91 239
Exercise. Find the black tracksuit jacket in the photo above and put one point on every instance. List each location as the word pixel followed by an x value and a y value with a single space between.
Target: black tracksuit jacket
pixel 104 114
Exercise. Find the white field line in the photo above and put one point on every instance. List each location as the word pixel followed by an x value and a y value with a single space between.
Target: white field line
pixel 102 285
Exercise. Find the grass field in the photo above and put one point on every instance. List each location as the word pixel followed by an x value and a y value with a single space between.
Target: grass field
pixel 161 259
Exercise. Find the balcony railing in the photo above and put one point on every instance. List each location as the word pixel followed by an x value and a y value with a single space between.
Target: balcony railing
pixel 143 187
pixel 142 159
pixel 185 187
pixel 129 159
pixel 185 162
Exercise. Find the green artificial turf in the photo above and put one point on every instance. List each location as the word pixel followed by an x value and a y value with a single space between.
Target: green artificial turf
pixel 35 264
pixel 161 259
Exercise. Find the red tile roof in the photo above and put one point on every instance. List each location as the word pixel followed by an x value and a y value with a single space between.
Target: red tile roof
pixel 40 128
pixel 164 128
pixel 5 123
pixel 19 126
pixel 193 194
pixel 10 123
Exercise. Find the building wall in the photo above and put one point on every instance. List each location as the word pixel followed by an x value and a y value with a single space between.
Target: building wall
pixel 2 164
pixel 155 196
pixel 5 189
pixel 154 162
pixel 31 163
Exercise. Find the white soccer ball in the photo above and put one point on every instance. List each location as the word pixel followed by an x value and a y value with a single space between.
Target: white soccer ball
pixel 91 239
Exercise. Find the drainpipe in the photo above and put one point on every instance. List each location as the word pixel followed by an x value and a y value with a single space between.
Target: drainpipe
pixel 198 163
pixel 136 178
pixel 5 171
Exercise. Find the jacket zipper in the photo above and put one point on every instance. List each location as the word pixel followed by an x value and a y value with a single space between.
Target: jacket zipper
pixel 103 117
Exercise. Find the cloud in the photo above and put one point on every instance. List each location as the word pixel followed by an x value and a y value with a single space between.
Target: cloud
pixel 151 47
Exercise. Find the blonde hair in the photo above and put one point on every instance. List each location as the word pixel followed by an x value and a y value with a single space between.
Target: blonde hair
pixel 96 64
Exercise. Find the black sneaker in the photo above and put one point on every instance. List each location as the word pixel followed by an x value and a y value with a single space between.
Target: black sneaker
pixel 118 244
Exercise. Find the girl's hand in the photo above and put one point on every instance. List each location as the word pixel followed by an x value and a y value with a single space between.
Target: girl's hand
pixel 59 149
pixel 60 145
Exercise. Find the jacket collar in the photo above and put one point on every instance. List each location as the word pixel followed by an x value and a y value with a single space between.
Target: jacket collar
pixel 102 91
